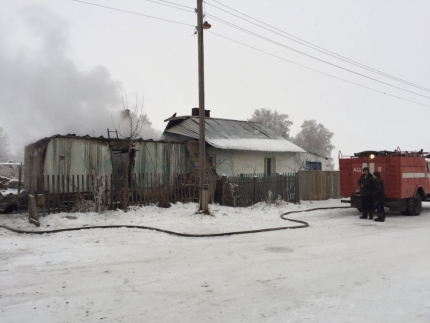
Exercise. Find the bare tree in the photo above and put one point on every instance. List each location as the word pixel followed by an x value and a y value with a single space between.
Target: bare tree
pixel 274 120
pixel 133 121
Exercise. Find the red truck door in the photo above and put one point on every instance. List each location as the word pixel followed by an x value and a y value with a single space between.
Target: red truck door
pixel 392 178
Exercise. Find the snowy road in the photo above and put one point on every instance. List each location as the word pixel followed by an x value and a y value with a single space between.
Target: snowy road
pixel 340 269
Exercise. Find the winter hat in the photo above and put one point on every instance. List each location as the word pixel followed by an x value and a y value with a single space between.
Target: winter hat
pixel 377 174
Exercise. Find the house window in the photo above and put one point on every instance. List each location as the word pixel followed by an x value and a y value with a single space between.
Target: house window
pixel 314 165
pixel 212 161
pixel 269 165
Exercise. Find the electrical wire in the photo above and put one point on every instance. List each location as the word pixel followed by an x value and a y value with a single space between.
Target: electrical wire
pixel 310 56
pixel 177 4
pixel 163 4
pixel 315 70
pixel 315 47
pixel 254 48
pixel 134 13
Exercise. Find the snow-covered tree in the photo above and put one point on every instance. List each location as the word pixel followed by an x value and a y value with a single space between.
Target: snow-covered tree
pixel 4 145
pixel 274 120
pixel 315 138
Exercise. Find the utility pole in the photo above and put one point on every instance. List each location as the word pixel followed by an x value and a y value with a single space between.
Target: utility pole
pixel 202 141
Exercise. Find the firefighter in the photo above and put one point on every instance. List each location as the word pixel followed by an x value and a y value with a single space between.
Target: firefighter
pixel 366 183
pixel 379 196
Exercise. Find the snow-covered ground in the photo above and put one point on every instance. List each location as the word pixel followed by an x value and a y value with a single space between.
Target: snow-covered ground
pixel 340 269
pixel 8 191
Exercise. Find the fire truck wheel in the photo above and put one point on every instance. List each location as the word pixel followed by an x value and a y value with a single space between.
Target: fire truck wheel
pixel 414 205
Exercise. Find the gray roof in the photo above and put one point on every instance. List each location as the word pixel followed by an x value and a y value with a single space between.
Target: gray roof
pixel 232 134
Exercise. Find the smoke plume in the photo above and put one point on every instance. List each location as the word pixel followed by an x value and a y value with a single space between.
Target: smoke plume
pixel 43 92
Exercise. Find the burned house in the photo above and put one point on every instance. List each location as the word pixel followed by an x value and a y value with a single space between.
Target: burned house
pixel 71 155
pixel 237 147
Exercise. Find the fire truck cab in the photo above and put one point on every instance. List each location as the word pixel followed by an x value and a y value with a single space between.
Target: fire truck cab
pixel 406 176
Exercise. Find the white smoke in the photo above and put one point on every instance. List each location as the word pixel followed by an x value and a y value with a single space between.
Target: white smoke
pixel 43 92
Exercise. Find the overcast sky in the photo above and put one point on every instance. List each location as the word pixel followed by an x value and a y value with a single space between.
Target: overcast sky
pixel 63 65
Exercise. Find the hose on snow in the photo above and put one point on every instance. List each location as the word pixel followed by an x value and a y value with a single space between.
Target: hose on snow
pixel 302 225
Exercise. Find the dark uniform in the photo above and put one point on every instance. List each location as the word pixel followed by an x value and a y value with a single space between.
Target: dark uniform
pixel 367 184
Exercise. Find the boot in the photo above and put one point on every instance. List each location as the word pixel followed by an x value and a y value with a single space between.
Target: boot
pixel 381 217
pixel 364 216
pixel 370 215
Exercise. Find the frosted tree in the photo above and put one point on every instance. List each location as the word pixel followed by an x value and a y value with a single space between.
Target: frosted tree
pixel 315 138
pixel 274 120
pixel 4 145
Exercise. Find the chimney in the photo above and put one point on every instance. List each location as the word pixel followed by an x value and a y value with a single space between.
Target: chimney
pixel 195 112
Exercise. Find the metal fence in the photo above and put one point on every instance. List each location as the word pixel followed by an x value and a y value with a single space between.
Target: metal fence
pixel 248 189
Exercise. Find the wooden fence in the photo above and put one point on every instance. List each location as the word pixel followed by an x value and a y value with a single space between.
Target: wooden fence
pixel 60 193
pixel 63 193
pixel 318 185
pixel 248 189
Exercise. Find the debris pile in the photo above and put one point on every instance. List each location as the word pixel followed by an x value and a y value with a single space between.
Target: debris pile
pixel 13 202
pixel 10 200
pixel 9 183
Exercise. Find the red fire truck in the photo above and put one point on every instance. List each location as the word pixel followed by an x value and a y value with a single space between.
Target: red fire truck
pixel 406 176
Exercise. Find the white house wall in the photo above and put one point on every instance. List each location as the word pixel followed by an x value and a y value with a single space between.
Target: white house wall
pixel 224 160
pixel 235 162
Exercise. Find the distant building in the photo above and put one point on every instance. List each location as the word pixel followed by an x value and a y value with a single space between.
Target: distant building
pixel 237 147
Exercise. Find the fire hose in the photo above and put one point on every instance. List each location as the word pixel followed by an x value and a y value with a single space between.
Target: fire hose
pixel 302 225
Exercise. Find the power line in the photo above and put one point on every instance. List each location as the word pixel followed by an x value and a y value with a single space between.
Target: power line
pixel 315 70
pixel 177 4
pixel 163 4
pixel 134 13
pixel 310 56
pixel 315 47
pixel 254 48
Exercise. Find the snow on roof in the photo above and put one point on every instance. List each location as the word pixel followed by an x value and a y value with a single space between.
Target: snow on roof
pixel 232 134
pixel 275 145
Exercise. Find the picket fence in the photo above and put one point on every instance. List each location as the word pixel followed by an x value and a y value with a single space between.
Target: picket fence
pixel 248 189
pixel 61 193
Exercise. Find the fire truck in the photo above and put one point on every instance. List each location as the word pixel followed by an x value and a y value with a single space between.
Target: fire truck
pixel 406 176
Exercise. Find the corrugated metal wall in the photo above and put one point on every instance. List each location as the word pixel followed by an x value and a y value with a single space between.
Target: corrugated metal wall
pixel 70 156
pixel 67 156
pixel 160 157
